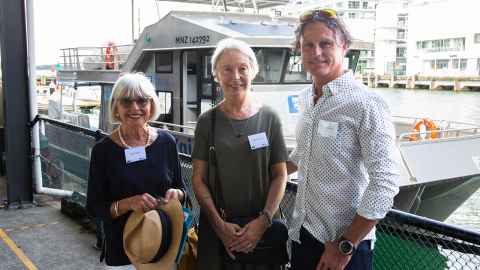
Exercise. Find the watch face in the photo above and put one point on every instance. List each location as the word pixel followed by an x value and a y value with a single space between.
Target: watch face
pixel 345 247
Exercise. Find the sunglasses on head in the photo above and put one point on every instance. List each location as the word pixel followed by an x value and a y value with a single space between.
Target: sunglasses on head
pixel 318 15
pixel 128 101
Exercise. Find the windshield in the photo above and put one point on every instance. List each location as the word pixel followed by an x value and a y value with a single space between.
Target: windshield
pixel 295 72
pixel 270 62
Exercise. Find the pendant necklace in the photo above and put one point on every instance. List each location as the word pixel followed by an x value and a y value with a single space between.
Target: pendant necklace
pixel 239 126
pixel 128 146
pixel 236 132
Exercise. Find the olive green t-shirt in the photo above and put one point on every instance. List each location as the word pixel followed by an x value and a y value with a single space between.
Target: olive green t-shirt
pixel 244 173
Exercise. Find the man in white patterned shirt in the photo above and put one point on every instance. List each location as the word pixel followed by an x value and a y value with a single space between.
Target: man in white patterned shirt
pixel 346 156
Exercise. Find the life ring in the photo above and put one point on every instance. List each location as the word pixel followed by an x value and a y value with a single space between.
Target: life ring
pixel 110 54
pixel 432 128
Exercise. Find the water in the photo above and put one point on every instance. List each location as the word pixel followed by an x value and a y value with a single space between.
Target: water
pixel 448 105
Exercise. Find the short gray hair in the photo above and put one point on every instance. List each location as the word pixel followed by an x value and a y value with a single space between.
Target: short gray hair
pixel 133 85
pixel 234 44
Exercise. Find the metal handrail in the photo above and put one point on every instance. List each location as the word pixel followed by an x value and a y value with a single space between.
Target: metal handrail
pixel 97 134
pixel 415 118
pixel 460 247
pixel 471 128
pixel 158 123
pixel 406 135
pixel 76 58
pixel 435 226
pixel 95 47
pixel 410 219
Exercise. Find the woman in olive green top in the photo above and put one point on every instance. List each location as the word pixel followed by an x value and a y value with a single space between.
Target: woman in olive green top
pixel 251 158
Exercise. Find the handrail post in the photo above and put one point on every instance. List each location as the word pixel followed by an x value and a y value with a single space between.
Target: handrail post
pixel 77 59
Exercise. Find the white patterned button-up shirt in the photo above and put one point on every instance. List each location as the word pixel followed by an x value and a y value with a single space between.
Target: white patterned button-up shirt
pixel 347 159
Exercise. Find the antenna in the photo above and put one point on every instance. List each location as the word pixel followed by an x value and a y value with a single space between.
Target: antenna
pixel 133 22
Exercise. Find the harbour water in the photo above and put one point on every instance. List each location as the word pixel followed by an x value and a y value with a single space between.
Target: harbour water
pixel 449 105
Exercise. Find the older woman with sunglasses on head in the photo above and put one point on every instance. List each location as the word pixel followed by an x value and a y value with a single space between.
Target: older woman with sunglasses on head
pixel 133 167
pixel 345 155
pixel 250 163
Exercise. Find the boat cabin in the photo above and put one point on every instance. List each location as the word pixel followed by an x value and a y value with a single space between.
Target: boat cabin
pixel 175 54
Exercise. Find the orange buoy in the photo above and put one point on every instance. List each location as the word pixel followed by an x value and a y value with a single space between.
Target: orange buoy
pixel 432 128
pixel 110 54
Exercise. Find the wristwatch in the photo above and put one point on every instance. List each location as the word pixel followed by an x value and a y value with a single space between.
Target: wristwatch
pixel 345 246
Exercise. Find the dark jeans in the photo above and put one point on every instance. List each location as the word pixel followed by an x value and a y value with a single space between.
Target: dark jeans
pixel 306 255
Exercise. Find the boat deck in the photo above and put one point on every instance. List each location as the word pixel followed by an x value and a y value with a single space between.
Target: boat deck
pixel 41 237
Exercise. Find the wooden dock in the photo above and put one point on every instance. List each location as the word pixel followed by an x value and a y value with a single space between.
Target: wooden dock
pixel 422 82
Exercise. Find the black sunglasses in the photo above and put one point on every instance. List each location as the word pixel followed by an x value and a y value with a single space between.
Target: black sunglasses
pixel 128 102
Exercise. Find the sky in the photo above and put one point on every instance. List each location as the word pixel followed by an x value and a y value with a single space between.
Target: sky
pixel 77 23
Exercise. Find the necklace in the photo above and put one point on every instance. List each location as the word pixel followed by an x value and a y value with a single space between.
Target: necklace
pixel 238 132
pixel 240 124
pixel 123 140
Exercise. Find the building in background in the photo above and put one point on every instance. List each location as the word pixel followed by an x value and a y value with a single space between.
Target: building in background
pixel 443 38
pixel 391 30
pixel 359 16
pixel 410 37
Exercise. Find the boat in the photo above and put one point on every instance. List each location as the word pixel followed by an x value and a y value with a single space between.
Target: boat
pixel 440 167
pixel 404 241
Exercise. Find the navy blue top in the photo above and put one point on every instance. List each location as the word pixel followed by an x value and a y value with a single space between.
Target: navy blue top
pixel 111 179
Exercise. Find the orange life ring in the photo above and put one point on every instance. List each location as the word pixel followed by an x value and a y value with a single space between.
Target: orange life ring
pixel 431 127
pixel 110 54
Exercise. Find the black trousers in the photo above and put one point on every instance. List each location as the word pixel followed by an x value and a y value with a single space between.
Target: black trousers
pixel 306 255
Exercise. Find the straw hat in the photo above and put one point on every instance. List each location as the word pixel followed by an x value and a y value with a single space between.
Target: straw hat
pixel 142 236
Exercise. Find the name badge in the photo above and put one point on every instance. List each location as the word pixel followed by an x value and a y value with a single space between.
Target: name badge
pixel 258 140
pixel 135 154
pixel 327 129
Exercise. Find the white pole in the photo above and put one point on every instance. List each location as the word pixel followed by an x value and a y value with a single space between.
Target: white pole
pixel 37 170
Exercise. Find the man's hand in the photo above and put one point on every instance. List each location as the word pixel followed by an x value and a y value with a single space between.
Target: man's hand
pixel 331 258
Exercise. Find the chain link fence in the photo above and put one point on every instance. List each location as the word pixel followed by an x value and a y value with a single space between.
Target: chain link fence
pixel 404 241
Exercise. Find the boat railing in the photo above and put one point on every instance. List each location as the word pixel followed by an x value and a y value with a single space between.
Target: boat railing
pixel 446 129
pixel 173 127
pixel 404 241
pixel 111 57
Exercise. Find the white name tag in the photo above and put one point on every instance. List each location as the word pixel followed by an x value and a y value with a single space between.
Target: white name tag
pixel 327 129
pixel 135 154
pixel 258 141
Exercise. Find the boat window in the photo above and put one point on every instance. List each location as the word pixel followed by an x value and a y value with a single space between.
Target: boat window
pixel 476 38
pixel 270 62
pixel 165 98
pixel 295 72
pixel 207 69
pixel 164 62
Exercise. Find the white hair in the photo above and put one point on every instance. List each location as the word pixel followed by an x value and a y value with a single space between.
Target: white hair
pixel 234 44
pixel 133 85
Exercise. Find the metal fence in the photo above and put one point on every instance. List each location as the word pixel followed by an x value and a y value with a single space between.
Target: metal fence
pixel 404 241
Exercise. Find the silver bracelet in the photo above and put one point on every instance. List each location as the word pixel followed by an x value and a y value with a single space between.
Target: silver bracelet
pixel 267 218
pixel 115 208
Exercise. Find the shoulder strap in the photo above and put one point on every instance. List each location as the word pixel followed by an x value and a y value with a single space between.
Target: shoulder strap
pixel 215 185
pixel 211 137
